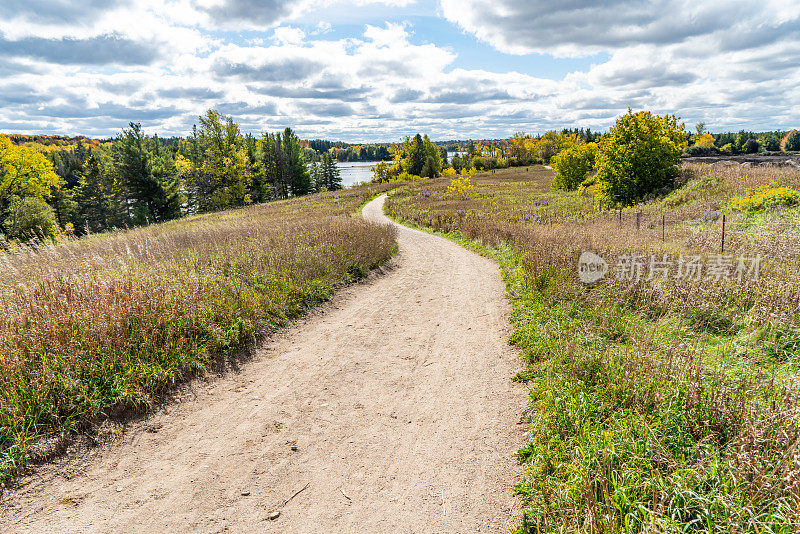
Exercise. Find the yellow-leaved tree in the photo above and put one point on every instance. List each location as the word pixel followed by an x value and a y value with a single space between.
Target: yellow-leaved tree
pixel 705 140
pixel 26 179
pixel 24 172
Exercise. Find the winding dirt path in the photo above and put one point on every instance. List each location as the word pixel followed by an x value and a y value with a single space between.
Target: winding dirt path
pixel 396 395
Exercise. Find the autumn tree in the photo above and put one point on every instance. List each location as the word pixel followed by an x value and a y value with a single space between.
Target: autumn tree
pixel 551 143
pixel 572 164
pixel 221 177
pixel 638 157
pixel 24 174
pixel 704 140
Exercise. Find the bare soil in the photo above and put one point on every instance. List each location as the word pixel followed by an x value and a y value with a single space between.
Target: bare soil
pixel 389 409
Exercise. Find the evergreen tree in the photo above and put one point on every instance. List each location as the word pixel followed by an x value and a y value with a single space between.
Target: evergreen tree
pixel 297 171
pixel 148 174
pixel 428 168
pixel 334 178
pixel 331 177
pixel 416 156
pixel 471 150
pixel 167 203
pixel 791 142
pixel 94 198
pixel 271 167
pixel 62 200
pixel 317 176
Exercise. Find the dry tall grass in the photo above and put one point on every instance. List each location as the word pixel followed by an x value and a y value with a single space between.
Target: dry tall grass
pixel 110 322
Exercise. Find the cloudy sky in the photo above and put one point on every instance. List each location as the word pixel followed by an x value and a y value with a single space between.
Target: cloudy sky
pixel 376 70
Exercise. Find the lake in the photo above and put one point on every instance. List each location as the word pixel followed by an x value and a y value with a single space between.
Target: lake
pixel 355 171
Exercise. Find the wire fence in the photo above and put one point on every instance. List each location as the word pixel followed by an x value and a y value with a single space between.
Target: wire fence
pixel 718 233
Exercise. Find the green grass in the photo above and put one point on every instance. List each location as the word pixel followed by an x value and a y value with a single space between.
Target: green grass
pixel 653 408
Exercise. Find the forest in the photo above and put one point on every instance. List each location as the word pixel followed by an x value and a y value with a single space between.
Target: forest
pixel 53 186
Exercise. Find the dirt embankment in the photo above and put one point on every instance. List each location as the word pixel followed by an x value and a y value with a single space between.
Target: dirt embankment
pixel 749 160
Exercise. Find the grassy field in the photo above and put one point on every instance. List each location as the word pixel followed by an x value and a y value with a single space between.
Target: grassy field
pixel 656 405
pixel 107 324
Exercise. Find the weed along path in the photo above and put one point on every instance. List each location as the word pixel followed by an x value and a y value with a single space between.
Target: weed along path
pixel 389 409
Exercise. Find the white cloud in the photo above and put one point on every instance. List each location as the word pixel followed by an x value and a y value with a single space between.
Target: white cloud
pixel 732 64
pixel 289 35
pixel 578 27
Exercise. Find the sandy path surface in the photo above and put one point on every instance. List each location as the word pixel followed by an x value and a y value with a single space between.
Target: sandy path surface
pixel 396 395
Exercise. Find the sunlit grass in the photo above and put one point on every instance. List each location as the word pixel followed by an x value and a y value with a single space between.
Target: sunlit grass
pixel 109 323
pixel 657 406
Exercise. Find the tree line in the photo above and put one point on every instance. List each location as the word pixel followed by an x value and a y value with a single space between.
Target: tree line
pixel 53 184
pixel 702 142
pixel 346 152
pixel 138 179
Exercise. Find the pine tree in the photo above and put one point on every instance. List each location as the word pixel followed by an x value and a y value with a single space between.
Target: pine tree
pixel 416 157
pixel 471 150
pixel 299 179
pixel 94 197
pixel 317 177
pixel 331 176
pixel 148 174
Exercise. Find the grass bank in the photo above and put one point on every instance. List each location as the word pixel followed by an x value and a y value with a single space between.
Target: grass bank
pixel 659 405
pixel 109 323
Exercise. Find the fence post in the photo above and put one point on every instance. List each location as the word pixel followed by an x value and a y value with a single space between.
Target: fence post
pixel 620 215
pixel 638 217
pixel 662 227
pixel 722 242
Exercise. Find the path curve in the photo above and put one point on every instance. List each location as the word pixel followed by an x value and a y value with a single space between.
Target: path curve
pixel 397 397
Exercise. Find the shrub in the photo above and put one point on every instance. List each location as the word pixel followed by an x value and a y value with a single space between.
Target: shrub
pixel 31 218
pixel 750 146
pixel 460 185
pixel 571 166
pixel 638 157
pixel 405 177
pixel 695 150
pixel 791 141
pixel 765 197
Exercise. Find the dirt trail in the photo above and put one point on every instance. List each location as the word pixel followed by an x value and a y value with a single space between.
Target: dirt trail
pixel 397 396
